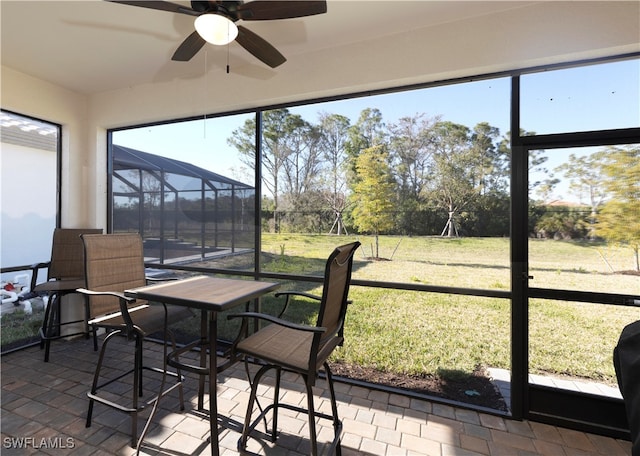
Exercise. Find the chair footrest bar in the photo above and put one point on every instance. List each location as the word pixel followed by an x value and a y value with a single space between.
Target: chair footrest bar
pixel 129 372
pixel 294 408
pixel 199 370
pixel 188 367
pixel 44 337
pixel 163 394
pixel 113 404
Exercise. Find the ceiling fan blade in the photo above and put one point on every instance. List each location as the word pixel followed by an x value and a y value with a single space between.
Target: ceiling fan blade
pixel 189 47
pixel 260 10
pixel 259 48
pixel 158 5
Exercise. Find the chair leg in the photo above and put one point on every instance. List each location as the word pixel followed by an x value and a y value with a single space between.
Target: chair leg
pixel 48 324
pixel 95 338
pixel 276 398
pixel 248 425
pixel 313 440
pixel 138 364
pixel 178 370
pixel 137 388
pixel 45 324
pixel 167 334
pixel 87 316
pixel 96 376
pixel 337 425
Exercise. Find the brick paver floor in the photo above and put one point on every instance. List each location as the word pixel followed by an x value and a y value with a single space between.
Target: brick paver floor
pixel 44 408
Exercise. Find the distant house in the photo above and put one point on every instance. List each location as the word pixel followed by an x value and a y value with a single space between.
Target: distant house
pixel 564 203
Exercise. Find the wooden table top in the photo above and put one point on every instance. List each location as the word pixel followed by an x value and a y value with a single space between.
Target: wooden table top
pixel 204 292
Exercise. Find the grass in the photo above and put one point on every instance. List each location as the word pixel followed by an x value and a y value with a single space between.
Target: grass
pixel 424 333
pixel 18 328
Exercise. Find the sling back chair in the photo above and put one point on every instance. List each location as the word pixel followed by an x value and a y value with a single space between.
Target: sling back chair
pixel 113 264
pixel 65 273
pixel 301 349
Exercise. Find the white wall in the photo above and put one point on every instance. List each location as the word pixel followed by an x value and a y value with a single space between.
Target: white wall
pixel 27 204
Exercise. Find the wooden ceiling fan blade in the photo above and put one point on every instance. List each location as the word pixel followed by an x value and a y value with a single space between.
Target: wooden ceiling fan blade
pixel 260 10
pixel 157 5
pixel 189 47
pixel 259 48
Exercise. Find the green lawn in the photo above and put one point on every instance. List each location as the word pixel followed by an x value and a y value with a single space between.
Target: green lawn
pixel 17 328
pixel 416 332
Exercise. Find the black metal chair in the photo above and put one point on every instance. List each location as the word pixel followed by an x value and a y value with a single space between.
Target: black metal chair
pixel 299 348
pixel 65 273
pixel 113 264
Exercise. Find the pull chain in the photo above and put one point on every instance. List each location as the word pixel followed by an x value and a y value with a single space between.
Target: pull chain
pixel 206 96
pixel 228 46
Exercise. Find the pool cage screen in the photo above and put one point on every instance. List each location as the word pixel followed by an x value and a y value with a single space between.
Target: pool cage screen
pixel 183 212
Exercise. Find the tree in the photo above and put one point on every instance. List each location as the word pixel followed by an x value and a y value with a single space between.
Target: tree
pixel 367 132
pixel 277 128
pixel 374 193
pixel 453 184
pixel 409 141
pixel 619 219
pixel 492 171
pixel 301 159
pixel 334 129
pixel 536 161
pixel 585 175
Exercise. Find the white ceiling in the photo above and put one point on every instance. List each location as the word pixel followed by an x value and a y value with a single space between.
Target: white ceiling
pixel 93 46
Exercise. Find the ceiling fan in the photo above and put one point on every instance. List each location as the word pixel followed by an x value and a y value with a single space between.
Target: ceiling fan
pixel 216 23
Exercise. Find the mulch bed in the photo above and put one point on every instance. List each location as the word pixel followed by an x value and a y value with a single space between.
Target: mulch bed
pixel 475 388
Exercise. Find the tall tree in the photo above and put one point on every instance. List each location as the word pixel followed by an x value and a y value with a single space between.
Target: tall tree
pixel 536 163
pixel 586 179
pixel 374 193
pixel 454 184
pixel 334 129
pixel 409 143
pixel 302 159
pixel 619 219
pixel 368 131
pixel 274 150
pixel 492 169
pixel 410 139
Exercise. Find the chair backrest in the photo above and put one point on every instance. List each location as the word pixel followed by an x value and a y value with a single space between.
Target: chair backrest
pixel 113 262
pixel 67 258
pixel 337 279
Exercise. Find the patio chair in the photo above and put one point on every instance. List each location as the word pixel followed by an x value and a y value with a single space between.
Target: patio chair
pixel 65 273
pixel 113 264
pixel 302 349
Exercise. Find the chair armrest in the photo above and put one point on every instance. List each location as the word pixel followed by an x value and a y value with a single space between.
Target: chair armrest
pixel 303 294
pixel 123 300
pixel 160 279
pixel 289 294
pixel 297 293
pixel 106 293
pixel 278 321
pixel 34 272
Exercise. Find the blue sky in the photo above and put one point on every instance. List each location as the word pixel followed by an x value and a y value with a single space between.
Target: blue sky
pixel 579 99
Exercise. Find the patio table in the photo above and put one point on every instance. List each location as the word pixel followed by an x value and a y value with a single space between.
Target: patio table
pixel 209 295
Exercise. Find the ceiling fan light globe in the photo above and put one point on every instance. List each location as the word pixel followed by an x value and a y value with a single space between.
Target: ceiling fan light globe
pixel 216 29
